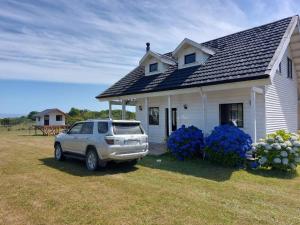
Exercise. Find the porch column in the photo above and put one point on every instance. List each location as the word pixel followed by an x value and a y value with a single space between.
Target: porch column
pixel 109 110
pixel 253 114
pixel 204 105
pixel 169 114
pixel 123 110
pixel 146 115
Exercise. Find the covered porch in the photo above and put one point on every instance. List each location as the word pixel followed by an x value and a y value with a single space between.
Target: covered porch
pixel 163 112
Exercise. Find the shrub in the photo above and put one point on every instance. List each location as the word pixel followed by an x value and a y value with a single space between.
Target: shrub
pixel 186 142
pixel 282 133
pixel 280 150
pixel 227 145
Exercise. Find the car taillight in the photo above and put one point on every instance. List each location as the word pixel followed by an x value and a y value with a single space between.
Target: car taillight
pixel 110 141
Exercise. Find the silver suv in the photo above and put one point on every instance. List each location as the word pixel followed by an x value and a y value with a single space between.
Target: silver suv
pixel 100 141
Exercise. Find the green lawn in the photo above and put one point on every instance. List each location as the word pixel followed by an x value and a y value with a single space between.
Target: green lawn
pixel 36 189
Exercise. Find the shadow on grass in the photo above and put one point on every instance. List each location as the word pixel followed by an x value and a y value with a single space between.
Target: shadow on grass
pixel 77 167
pixel 273 173
pixel 192 167
pixel 205 169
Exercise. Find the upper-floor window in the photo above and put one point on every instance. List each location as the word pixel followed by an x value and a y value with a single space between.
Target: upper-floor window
pixel 153 67
pixel 190 58
pixel 58 117
pixel 289 68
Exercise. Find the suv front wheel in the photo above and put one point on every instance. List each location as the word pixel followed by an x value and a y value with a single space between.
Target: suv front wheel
pixel 58 153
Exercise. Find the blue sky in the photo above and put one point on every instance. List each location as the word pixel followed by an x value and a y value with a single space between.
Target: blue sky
pixel 62 53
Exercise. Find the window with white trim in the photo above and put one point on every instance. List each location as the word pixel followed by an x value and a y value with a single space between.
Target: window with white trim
pixel 232 114
pixel 153 67
pixel 190 58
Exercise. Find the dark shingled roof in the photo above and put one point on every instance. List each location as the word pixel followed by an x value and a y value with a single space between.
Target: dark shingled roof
pixel 240 56
pixel 47 111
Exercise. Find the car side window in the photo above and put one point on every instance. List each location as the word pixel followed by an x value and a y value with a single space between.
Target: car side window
pixel 102 127
pixel 87 128
pixel 76 129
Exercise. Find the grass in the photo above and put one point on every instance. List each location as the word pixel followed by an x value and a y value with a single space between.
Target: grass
pixel 36 189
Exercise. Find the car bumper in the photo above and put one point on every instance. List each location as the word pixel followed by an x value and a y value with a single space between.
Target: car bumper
pixel 127 156
pixel 127 152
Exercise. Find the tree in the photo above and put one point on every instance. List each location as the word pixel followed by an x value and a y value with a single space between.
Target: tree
pixel 74 112
pixel 31 115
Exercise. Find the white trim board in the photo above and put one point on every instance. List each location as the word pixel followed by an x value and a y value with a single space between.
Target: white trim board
pixel 277 57
pixel 217 87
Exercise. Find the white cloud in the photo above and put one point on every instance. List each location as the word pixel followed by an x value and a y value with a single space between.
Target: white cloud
pixel 100 41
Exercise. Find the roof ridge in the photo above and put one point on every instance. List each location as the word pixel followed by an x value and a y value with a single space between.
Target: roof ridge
pixel 290 17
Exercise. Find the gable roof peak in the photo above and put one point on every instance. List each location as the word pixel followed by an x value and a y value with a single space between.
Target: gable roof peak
pixel 187 41
pixel 163 58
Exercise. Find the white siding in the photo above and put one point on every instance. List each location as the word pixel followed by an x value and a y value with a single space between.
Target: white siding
pixel 52 119
pixel 214 99
pixel 193 115
pixel 282 101
pixel 190 116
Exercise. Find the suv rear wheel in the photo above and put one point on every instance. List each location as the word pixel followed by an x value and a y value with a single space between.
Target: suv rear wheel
pixel 91 160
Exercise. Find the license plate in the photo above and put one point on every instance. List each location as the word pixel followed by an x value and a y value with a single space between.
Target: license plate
pixel 132 142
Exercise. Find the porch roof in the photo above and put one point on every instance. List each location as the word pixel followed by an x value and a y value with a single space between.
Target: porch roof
pixel 240 56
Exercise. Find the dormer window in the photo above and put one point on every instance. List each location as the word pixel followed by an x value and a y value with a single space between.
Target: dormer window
pixel 153 67
pixel 190 58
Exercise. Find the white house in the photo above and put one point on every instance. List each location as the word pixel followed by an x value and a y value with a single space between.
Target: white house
pixel 249 77
pixel 50 117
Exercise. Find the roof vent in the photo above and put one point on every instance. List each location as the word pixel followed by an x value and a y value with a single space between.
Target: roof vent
pixel 148 46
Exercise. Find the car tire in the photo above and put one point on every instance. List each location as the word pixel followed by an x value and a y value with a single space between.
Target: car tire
pixel 91 160
pixel 58 153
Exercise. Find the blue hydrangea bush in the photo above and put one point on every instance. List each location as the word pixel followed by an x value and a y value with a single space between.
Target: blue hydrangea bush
pixel 228 145
pixel 280 150
pixel 186 142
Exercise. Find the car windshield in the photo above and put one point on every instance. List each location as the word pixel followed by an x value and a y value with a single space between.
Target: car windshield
pixel 127 128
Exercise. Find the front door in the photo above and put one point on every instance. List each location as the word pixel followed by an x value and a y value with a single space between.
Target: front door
pixel 46 120
pixel 173 120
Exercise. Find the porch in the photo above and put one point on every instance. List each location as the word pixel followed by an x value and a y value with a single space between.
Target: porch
pixel 161 113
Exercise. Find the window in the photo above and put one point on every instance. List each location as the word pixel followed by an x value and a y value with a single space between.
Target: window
pixel 127 128
pixel 58 117
pixel 87 128
pixel 102 127
pixel 76 128
pixel 289 68
pixel 39 118
pixel 190 58
pixel 279 68
pixel 232 114
pixel 153 67
pixel 153 116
